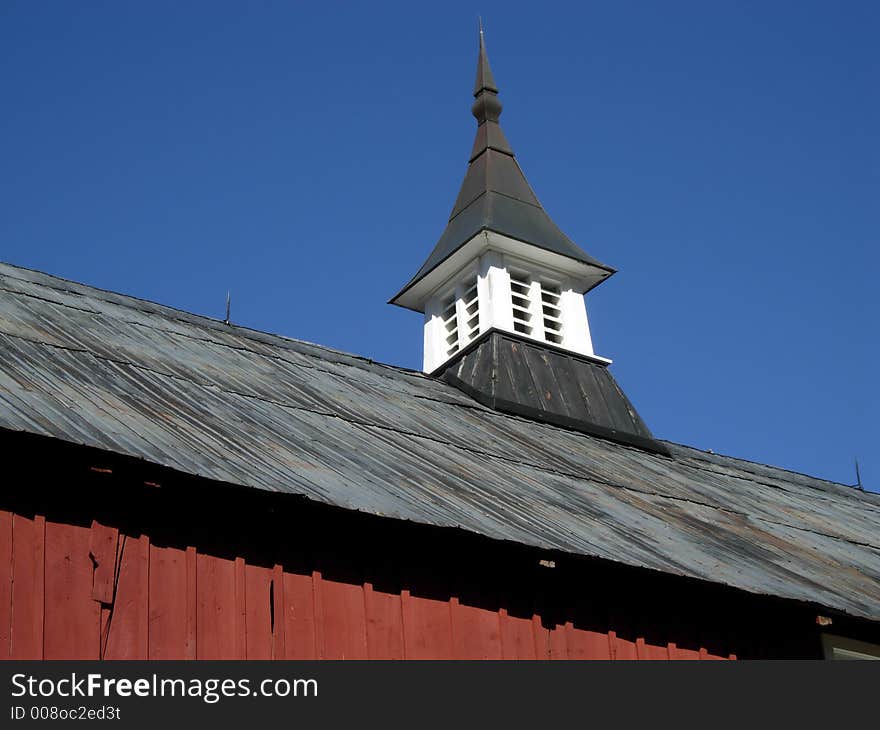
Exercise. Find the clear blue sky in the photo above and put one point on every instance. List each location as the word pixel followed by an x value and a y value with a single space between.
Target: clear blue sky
pixel 723 156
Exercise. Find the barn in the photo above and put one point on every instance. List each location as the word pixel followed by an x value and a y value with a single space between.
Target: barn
pixel 178 487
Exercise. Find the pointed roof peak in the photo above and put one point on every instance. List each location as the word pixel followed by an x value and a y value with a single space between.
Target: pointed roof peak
pixel 485 80
pixel 495 196
pixel 487 107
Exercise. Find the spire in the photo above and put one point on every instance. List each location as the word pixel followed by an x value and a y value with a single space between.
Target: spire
pixel 485 80
pixel 487 107
pixel 495 196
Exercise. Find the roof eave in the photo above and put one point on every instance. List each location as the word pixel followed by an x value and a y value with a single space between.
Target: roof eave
pixel 415 294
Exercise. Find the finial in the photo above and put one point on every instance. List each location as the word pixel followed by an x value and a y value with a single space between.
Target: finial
pixel 228 306
pixel 487 106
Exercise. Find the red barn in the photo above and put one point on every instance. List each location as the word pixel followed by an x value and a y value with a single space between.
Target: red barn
pixel 180 487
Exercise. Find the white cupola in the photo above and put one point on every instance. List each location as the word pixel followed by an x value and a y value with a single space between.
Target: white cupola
pixel 501 264
pixel 503 299
pixel 499 290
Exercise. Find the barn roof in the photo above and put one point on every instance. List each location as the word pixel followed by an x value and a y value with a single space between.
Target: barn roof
pixel 109 371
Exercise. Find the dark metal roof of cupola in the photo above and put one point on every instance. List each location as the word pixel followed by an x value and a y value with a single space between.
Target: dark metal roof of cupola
pixel 495 194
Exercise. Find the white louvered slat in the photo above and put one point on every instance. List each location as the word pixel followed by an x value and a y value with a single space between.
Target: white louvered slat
pixel 552 314
pixel 450 325
pixel 471 310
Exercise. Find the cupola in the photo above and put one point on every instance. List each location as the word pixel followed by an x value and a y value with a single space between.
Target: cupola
pixel 502 294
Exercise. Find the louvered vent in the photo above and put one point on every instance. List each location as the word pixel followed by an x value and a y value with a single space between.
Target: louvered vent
pixel 552 313
pixel 450 325
pixel 471 308
pixel 520 296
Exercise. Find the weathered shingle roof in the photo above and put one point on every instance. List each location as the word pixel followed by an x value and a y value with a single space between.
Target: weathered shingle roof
pixel 257 410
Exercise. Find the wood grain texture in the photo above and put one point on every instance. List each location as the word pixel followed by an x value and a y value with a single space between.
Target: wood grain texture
pixel 128 629
pixel 5 584
pixel 28 586
pixel 184 603
pixel 216 611
pixel 72 616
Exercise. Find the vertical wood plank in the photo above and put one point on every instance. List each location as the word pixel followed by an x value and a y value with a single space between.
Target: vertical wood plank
pixel 677 653
pixel 344 623
pixel 542 638
pixel 5 584
pixel 656 652
pixel 28 586
pixel 192 603
pixel 623 645
pixel 558 646
pixel 168 591
pixel 517 636
pixel 240 609
pixel 106 608
pixel 72 617
pixel 128 635
pixel 476 630
pixel 215 621
pixel 384 624
pixel 298 617
pixel 103 549
pixel 110 557
pixel 279 627
pixel 586 644
pixel 647 651
pixel 318 599
pixel 259 613
pixel 427 627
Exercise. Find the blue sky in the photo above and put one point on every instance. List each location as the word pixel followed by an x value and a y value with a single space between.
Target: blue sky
pixel 722 156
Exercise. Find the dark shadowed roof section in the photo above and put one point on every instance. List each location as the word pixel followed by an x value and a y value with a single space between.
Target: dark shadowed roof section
pixel 495 195
pixel 517 375
pixel 263 412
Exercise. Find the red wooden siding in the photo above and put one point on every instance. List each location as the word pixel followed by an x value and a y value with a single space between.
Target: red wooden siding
pixel 26 586
pixel 6 583
pixel 74 591
pixel 127 631
pixel 72 618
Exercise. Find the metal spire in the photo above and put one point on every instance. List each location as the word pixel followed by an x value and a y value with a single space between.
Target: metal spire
pixel 496 196
pixel 485 80
pixel 487 105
